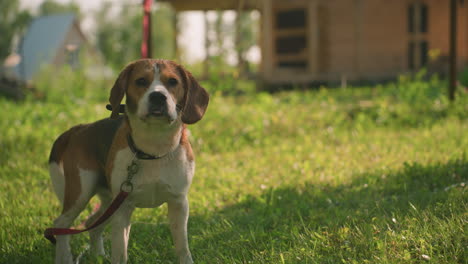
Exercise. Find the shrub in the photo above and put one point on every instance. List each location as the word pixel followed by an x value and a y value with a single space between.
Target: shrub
pixel 464 77
pixel 62 84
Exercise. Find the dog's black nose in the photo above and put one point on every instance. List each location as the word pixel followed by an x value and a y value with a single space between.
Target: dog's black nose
pixel 157 98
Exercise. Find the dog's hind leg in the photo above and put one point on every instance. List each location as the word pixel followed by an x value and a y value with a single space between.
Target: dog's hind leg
pixel 73 202
pixel 95 235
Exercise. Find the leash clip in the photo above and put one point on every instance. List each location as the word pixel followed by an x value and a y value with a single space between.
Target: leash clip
pixel 132 169
pixel 126 186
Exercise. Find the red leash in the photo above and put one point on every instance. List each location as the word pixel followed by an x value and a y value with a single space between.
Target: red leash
pixel 125 189
pixel 50 233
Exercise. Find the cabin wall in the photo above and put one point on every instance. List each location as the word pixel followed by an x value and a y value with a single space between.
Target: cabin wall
pixel 337 38
pixel 266 39
pixel 362 40
pixel 365 39
pixel 439 24
pixel 275 57
pixel 382 39
pixel 464 31
pixel 73 37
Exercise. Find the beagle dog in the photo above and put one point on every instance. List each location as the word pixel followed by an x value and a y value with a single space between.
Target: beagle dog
pixel 161 99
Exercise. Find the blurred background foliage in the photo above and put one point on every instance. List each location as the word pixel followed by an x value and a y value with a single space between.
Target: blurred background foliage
pixel 50 7
pixel 378 146
pixel 117 34
pixel 12 21
pixel 117 38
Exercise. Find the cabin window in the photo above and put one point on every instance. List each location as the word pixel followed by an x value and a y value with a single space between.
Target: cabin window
pixel 291 44
pixel 293 18
pixel 411 55
pixel 290 38
pixel 424 52
pixel 411 19
pixel 423 19
pixel 418 46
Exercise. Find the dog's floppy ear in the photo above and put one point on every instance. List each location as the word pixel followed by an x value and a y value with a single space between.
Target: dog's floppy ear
pixel 118 90
pixel 195 99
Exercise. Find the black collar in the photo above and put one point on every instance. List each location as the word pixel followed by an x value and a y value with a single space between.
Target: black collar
pixel 140 154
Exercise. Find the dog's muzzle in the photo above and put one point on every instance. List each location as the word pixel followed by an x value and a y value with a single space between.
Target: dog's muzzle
pixel 157 104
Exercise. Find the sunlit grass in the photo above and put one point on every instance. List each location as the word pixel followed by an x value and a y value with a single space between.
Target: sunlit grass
pixel 362 175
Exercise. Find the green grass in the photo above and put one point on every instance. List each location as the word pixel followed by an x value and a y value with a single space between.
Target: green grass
pixel 362 175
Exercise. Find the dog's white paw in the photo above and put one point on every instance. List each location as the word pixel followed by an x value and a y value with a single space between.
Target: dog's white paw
pixel 186 259
pixel 65 258
pixel 97 248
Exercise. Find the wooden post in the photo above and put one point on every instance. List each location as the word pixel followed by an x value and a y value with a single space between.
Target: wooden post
pixel 453 50
pixel 312 35
pixel 207 61
pixel 237 39
pixel 267 63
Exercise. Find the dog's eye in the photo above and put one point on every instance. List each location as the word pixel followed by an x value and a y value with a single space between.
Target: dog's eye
pixel 141 82
pixel 172 81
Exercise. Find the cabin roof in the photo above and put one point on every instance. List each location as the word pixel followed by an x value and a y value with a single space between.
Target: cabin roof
pixel 44 37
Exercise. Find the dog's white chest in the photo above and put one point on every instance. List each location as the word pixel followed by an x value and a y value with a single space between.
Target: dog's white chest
pixel 157 181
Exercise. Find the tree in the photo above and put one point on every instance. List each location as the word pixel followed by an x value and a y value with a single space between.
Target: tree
pixel 218 32
pixel 12 21
pixel 50 7
pixel 207 42
pixel 164 32
pixel 114 36
pixel 119 40
pixel 245 39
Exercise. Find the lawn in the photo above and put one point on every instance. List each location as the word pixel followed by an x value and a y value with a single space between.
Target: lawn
pixel 357 175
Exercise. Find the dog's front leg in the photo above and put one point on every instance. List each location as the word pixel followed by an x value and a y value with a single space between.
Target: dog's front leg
pixel 178 216
pixel 121 233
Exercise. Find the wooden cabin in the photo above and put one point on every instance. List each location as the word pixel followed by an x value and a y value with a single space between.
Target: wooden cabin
pixel 305 41
pixel 54 39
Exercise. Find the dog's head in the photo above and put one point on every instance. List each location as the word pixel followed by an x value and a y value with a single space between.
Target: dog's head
pixel 159 90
